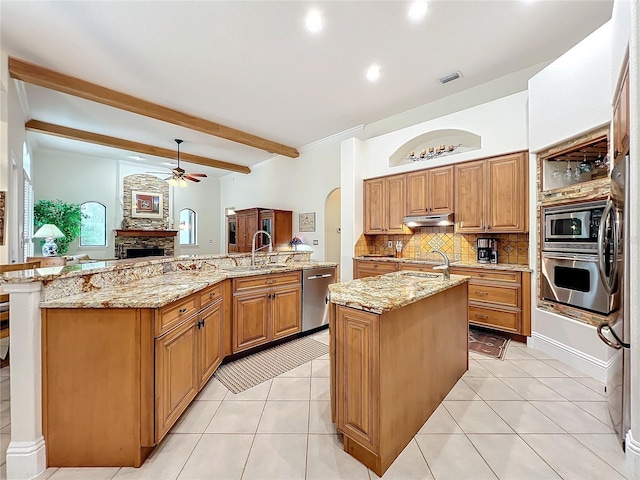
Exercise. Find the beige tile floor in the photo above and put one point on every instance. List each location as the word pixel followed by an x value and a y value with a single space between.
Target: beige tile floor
pixel 527 417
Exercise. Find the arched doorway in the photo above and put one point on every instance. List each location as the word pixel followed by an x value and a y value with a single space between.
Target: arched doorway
pixel 332 226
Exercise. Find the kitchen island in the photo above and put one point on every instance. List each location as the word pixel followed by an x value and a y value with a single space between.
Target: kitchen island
pixel 399 343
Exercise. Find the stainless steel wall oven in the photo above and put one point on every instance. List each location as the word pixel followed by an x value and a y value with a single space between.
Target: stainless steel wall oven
pixel 580 256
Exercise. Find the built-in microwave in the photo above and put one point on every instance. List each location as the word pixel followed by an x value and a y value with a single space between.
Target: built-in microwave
pixel 572 228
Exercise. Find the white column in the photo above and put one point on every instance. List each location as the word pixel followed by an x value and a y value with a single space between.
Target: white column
pixel 26 455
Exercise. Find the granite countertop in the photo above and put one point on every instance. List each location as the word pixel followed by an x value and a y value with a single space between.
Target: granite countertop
pixel 392 291
pixel 159 290
pixel 454 263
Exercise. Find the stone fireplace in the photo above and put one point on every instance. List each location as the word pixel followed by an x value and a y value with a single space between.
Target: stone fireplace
pixel 145 243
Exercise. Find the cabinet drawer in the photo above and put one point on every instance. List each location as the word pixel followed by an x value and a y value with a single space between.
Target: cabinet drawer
pixel 176 312
pixel 502 319
pixel 265 281
pixel 377 268
pixel 499 275
pixel 417 267
pixel 507 295
pixel 210 295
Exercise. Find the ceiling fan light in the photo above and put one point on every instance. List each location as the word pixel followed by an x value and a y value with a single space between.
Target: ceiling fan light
pixel 183 182
pixel 173 182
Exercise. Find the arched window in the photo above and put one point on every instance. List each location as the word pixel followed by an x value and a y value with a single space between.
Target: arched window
pixel 93 231
pixel 187 234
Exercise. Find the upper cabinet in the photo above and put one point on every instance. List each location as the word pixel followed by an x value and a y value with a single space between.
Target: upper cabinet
pixel 491 195
pixel 384 205
pixel 278 224
pixel 621 118
pixel 430 191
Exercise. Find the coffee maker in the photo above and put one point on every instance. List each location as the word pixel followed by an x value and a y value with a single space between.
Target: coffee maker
pixel 487 250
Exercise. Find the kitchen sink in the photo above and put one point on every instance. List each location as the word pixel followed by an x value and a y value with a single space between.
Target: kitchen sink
pixel 254 268
pixel 422 274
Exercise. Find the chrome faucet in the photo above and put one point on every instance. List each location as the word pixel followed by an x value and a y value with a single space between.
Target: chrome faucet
pixel 254 249
pixel 445 267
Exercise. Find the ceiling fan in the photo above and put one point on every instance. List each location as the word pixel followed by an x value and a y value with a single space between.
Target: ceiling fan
pixel 179 175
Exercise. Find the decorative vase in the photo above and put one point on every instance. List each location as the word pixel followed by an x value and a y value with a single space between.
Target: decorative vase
pixel 49 249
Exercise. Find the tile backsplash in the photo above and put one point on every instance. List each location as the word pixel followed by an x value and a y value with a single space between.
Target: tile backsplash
pixel 512 248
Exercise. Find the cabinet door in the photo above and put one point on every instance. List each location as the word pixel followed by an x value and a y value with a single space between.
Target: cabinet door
pixel 621 119
pixel 358 371
pixel 470 197
pixel 396 204
pixel 266 223
pixel 176 375
pixel 507 188
pixel 417 193
pixel 210 341
pixel 440 191
pixel 374 206
pixel 242 233
pixel 286 311
pixel 250 320
pixel 232 237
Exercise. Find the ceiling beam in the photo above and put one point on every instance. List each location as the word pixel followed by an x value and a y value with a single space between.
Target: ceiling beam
pixel 44 77
pixel 81 135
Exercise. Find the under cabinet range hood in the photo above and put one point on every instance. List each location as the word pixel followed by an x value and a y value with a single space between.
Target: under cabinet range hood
pixel 429 220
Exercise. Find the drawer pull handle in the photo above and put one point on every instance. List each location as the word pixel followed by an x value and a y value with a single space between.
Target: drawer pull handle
pixel 482 293
pixel 211 295
pixel 481 316
pixel 270 281
pixel 182 310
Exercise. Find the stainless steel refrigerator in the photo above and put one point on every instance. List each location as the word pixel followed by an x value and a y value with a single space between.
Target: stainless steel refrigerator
pixel 617 333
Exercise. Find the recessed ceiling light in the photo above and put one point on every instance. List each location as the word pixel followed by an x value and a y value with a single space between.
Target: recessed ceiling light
pixel 373 73
pixel 418 10
pixel 314 21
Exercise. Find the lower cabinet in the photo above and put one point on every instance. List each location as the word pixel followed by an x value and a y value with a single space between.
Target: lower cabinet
pixel 369 268
pixel 499 299
pixel 266 308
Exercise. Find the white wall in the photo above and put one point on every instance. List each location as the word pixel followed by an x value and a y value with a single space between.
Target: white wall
pixel 569 97
pixel 79 178
pixel 573 94
pixel 298 184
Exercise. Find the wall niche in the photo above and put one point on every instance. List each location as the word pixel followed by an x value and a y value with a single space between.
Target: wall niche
pixel 434 145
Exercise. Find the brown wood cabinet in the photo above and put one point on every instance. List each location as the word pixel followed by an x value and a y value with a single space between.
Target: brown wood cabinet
pixel 265 308
pixel 499 299
pixel 491 195
pixel 430 191
pixel 621 114
pixel 125 375
pixel 369 268
pixel 384 205
pixel 278 224
pixel 232 234
pixel 246 225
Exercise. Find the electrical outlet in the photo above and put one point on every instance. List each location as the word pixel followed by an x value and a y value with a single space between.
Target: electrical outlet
pixel 389 244
pixel 315 242
pixel 210 241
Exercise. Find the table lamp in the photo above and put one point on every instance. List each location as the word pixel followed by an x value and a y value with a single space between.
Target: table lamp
pixel 49 231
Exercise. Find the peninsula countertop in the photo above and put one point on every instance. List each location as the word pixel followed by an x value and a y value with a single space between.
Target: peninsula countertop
pixel 159 290
pixel 392 291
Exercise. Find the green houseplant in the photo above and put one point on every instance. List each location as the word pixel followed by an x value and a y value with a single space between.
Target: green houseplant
pixel 66 216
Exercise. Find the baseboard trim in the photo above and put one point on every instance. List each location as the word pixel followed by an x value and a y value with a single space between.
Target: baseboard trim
pixel 575 358
pixel 26 460
pixel 632 450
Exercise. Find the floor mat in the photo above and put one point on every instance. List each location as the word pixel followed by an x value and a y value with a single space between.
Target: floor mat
pixel 489 344
pixel 252 370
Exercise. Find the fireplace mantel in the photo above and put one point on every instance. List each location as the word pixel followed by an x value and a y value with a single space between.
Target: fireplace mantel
pixel 146 233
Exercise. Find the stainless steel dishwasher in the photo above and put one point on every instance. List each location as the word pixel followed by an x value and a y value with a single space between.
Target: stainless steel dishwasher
pixel 315 297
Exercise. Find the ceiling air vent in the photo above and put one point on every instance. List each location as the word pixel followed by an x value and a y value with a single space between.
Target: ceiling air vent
pixel 450 78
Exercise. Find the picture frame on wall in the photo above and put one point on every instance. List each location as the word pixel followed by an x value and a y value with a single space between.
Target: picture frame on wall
pixel 307 222
pixel 146 205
